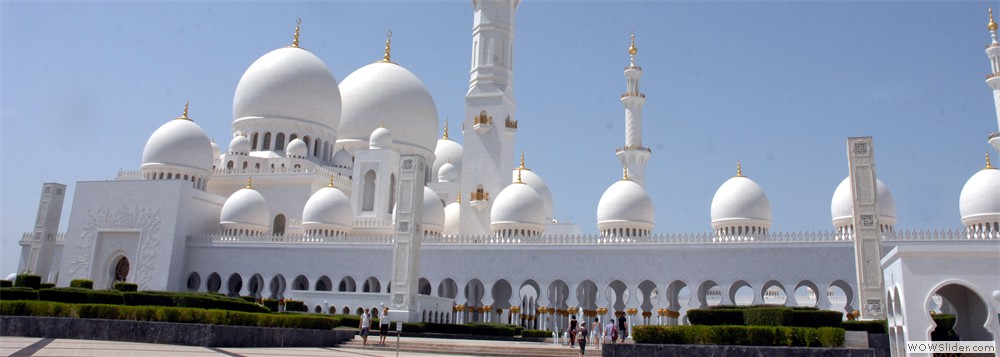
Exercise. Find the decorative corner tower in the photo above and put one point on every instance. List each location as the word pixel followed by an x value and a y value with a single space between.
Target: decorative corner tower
pixel 490 124
pixel 43 239
pixel 993 79
pixel 633 155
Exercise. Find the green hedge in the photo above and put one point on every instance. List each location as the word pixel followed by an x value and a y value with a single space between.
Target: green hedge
pixel 447 328
pixel 18 294
pixel 6 284
pixel 944 330
pixel 870 326
pixel 46 285
pixel 295 305
pixel 491 329
pixel 81 296
pixel 769 316
pixel 28 281
pixel 124 286
pixel 194 300
pixel 715 316
pixel 166 314
pixel 740 335
pixel 536 333
pixel 816 318
pixel 81 283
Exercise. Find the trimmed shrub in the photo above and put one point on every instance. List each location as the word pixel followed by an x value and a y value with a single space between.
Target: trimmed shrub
pixel 740 335
pixel 125 286
pixel 248 298
pixel 18 294
pixel 6 284
pixel 28 281
pixel 46 285
pixel 944 330
pixel 870 326
pixel 412 327
pixel 81 296
pixel 447 328
pixel 816 318
pixel 715 316
pixel 349 320
pixel 767 316
pixel 194 300
pixel 536 333
pixel 295 305
pixel 82 283
pixel 488 329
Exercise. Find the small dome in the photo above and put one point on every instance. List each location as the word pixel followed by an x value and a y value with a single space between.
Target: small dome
pixel 216 152
pixel 240 145
pixel 245 209
pixel 740 202
pixel 452 221
pixel 343 159
pixel 179 143
pixel 979 202
pixel 448 173
pixel 381 138
pixel 329 207
pixel 434 216
pixel 386 93
pixel 447 151
pixel 518 207
pixel 625 205
pixel 297 149
pixel 288 83
pixel 842 204
pixel 536 183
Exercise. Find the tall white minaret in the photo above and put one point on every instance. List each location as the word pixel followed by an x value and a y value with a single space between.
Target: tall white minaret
pixel 993 79
pixel 633 155
pixel 489 124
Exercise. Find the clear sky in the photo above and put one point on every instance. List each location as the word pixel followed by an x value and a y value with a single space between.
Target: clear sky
pixel 779 86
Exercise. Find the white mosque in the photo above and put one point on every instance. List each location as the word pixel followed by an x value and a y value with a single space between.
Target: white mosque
pixel 301 204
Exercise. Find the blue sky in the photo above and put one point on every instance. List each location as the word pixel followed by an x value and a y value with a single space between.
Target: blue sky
pixel 779 86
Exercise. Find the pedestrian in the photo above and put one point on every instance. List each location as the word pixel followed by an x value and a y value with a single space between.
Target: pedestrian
pixel 610 331
pixel 365 325
pixel 595 333
pixel 622 327
pixel 581 338
pixel 383 324
pixel 572 330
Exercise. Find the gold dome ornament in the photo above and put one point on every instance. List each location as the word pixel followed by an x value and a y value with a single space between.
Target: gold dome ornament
pixel 632 50
pixel 184 116
pixel 295 38
pixel 388 40
pixel 249 182
pixel 445 136
pixel 988 165
pixel 522 167
pixel 739 169
pixel 992 26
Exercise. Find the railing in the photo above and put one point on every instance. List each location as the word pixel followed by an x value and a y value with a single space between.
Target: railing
pixel 633 147
pixel 995 134
pixel 634 95
pixel 512 124
pixel 479 196
pixel 371 222
pixel 129 175
pixel 992 75
pixel 28 237
pixel 593 240
pixel 482 119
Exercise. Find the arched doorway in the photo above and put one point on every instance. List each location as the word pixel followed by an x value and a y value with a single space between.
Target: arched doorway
pixel 121 270
pixel 970 311
pixel 279 225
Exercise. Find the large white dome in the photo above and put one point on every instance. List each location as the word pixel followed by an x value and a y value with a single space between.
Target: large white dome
pixel 625 205
pixel 447 151
pixel 245 209
pixel 452 218
pixel 842 204
pixel 386 94
pixel 240 145
pixel 518 207
pixel 536 183
pixel 179 143
pixel 979 202
pixel 289 83
pixel 740 202
pixel 434 216
pixel 329 206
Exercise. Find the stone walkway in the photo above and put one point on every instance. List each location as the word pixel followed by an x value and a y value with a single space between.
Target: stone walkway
pixel 34 346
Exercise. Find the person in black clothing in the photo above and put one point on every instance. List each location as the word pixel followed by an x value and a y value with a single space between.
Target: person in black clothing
pixel 572 330
pixel 622 331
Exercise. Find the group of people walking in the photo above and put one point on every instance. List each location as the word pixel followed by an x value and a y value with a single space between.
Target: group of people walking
pixel 580 335
pixel 366 322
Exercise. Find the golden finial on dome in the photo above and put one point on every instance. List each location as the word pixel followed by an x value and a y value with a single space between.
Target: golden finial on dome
pixel 522 167
pixel 331 181
pixel 625 174
pixel 631 48
pixel 388 40
pixel 458 197
pixel 992 25
pixel 739 169
pixel 988 165
pixel 445 136
pixel 295 39
pixel 185 114
pixel 249 182
pixel 519 177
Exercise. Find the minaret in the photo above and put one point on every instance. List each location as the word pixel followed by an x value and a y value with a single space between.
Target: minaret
pixel 489 124
pixel 633 155
pixel 993 79
pixel 43 239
